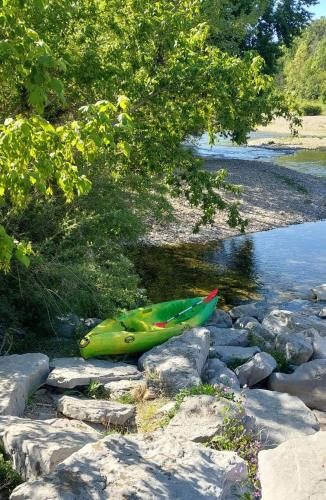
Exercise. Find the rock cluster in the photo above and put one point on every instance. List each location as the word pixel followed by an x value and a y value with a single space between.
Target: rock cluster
pixel 239 354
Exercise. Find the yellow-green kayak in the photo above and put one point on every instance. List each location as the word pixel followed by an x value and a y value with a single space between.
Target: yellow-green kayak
pixel 143 328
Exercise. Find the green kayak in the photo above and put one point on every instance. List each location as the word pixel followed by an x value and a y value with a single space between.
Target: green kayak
pixel 143 328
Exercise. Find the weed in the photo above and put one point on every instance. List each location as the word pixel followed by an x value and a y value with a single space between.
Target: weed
pixel 283 365
pixel 96 390
pixel 234 436
pixel 236 362
pixel 9 478
pixel 126 399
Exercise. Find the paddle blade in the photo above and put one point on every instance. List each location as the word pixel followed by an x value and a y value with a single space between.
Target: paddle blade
pixel 211 295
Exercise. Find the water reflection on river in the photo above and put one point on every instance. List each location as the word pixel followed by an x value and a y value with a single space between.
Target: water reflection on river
pixel 278 263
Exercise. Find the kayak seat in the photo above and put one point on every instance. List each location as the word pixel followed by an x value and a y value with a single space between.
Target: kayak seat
pixel 135 325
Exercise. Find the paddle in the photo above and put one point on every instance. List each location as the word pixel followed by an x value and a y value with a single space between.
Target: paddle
pixel 204 299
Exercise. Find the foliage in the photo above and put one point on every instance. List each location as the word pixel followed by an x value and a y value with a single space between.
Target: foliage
pixel 9 478
pixel 311 109
pixel 126 399
pixel 304 65
pixel 234 363
pixel 283 365
pixel 78 182
pixel 235 436
pixel 96 390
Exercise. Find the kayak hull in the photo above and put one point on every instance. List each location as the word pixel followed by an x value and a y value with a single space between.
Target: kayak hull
pixel 135 331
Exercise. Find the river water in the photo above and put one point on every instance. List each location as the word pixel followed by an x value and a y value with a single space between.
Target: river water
pixel 278 265
pixel 306 161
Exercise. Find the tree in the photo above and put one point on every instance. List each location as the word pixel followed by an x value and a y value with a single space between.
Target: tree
pixel 156 78
pixel 304 66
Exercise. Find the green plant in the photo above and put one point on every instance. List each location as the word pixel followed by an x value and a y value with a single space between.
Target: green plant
pixel 9 478
pixel 292 183
pixel 235 436
pixel 126 399
pixel 96 390
pixel 235 362
pixel 283 365
pixel 311 109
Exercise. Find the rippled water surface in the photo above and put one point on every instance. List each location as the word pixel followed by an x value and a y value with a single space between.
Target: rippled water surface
pixel 306 161
pixel 278 264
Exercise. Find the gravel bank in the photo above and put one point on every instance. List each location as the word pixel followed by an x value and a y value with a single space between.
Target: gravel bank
pixel 272 197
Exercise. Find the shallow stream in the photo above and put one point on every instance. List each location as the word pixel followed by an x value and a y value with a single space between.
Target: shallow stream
pixel 280 265
pixel 307 161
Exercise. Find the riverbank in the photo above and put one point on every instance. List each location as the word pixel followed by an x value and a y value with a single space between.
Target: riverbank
pixel 312 134
pixel 272 197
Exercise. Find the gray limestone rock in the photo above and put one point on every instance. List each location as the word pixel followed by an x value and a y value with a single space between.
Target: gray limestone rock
pixel 279 416
pixel 217 373
pixel 36 446
pixel 68 373
pixel 256 369
pixel 220 319
pixel 296 348
pixel 295 470
pixel 147 467
pixel 20 376
pixel 178 362
pixel 228 336
pixel 228 354
pixel 97 410
pixel 307 382
pixel 319 292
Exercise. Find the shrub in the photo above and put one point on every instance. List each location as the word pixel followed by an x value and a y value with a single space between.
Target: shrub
pixel 311 109
pixel 9 478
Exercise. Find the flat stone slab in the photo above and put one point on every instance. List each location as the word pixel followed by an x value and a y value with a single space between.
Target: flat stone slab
pixel 307 382
pixel 119 388
pixel 199 418
pixel 279 416
pixel 256 369
pixel 20 376
pixel 228 353
pixel 179 362
pixel 68 373
pixel 228 337
pixel 96 410
pixel 295 470
pixel 36 446
pixel 144 467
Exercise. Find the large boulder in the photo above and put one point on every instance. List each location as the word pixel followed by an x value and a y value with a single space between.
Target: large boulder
pixel 229 353
pixel 36 446
pixel 67 325
pixel 295 470
pixel 319 292
pixel 296 348
pixel 282 321
pixel 178 362
pixel 68 373
pixel 307 382
pixel 322 312
pixel 227 336
pixel 200 418
pixel 146 467
pixel 318 343
pixel 97 410
pixel 20 376
pixel 256 369
pixel 221 319
pixel 254 310
pixel 279 417
pixel 217 373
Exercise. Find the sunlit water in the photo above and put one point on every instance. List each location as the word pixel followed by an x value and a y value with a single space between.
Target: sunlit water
pixel 306 161
pixel 277 265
